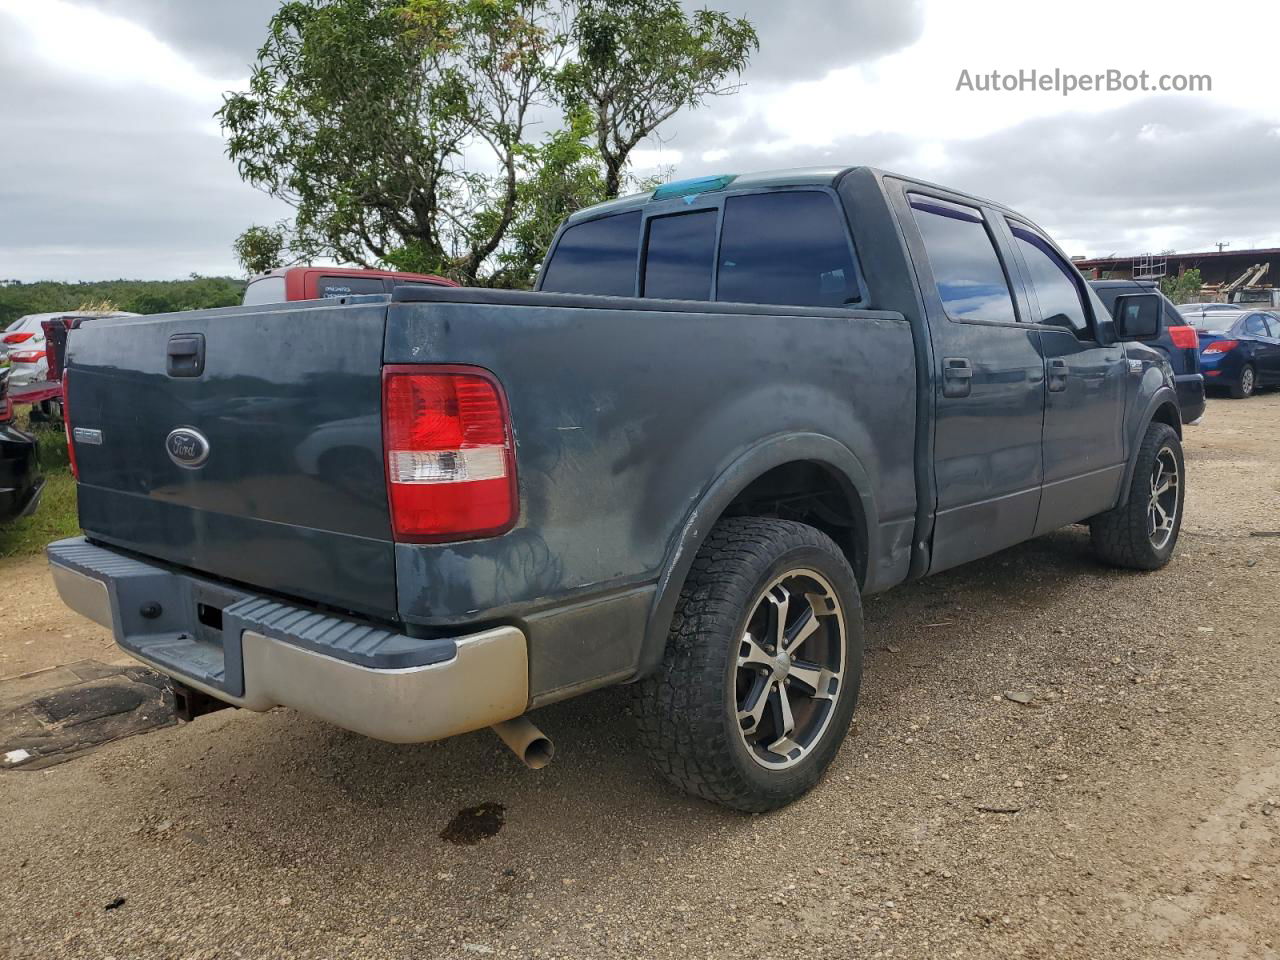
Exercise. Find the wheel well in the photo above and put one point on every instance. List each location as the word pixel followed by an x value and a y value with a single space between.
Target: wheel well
pixel 813 493
pixel 1168 413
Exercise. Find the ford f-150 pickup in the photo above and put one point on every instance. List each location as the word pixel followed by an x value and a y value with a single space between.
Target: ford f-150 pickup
pixel 732 407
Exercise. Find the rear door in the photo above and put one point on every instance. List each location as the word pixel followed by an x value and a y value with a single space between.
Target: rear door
pixel 244 443
pixel 988 382
pixel 1085 375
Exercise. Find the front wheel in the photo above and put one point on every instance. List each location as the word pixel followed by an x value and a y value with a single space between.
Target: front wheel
pixel 762 666
pixel 1247 385
pixel 1141 533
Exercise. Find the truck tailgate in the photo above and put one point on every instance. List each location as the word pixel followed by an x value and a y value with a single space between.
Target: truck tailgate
pixel 291 495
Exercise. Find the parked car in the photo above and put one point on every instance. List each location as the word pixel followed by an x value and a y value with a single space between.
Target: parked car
pixel 20 479
pixel 1240 353
pixel 721 421
pixel 1201 311
pixel 20 334
pixel 1177 341
pixel 27 352
pixel 313 283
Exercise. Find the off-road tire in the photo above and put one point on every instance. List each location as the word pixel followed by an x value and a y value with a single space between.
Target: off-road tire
pixel 686 710
pixel 1120 537
pixel 1238 390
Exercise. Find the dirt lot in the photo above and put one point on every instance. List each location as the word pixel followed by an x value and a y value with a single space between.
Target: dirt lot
pixel 1139 790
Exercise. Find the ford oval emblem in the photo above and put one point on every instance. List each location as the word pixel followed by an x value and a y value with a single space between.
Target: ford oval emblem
pixel 187 447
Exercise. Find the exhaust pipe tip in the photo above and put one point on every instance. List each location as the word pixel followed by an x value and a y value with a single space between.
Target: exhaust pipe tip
pixel 526 741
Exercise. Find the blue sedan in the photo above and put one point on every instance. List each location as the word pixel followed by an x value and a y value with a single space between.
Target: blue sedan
pixel 1240 352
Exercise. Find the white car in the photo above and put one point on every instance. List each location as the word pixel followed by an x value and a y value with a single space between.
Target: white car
pixel 23 346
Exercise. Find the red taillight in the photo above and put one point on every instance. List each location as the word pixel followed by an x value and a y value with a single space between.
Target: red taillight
pixel 17 337
pixel 27 356
pixel 1184 337
pixel 1222 346
pixel 66 425
pixel 451 472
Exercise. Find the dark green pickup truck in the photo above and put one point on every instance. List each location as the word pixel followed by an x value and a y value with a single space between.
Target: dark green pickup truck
pixel 733 407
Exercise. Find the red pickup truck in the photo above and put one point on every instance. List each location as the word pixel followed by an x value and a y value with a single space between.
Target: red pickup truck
pixel 315 283
pixel 275 286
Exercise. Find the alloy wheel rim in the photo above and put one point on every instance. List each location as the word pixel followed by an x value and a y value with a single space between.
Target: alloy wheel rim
pixel 790 669
pixel 1162 507
pixel 1246 381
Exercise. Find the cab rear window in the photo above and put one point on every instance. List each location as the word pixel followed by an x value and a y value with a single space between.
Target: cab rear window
pixel 349 286
pixel 596 257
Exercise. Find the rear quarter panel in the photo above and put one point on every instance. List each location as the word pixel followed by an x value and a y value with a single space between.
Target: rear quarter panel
pixel 624 418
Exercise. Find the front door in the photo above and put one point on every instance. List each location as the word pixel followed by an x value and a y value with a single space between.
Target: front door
pixel 988 381
pixel 1084 441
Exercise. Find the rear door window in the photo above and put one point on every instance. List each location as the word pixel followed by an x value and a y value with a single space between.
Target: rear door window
pixel 1256 325
pixel 349 286
pixel 789 247
pixel 1056 285
pixel 679 255
pixel 596 257
pixel 966 269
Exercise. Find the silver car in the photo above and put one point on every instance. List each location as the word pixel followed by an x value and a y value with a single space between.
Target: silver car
pixel 1197 314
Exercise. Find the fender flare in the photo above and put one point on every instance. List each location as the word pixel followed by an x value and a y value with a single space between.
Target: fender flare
pixel 750 465
pixel 1164 397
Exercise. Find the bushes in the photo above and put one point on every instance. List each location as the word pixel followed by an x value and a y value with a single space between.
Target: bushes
pixel 137 296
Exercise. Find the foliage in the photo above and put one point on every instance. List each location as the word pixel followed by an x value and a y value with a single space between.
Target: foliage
pixel 260 249
pixel 641 62
pixel 450 136
pixel 1184 288
pixel 55 518
pixel 103 305
pixel 136 296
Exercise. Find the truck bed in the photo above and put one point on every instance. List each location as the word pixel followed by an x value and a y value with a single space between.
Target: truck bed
pixel 626 413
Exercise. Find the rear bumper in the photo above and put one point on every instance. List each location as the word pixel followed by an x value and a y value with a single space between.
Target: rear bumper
pixel 1190 390
pixel 256 652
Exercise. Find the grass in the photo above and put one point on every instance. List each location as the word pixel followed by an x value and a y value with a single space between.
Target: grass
pixel 56 516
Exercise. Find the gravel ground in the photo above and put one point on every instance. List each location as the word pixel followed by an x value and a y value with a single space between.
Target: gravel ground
pixel 1129 808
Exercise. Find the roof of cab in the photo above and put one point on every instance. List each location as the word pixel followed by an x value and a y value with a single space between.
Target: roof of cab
pixel 762 180
pixel 793 177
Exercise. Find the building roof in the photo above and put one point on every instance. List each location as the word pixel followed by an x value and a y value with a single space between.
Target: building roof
pixel 1261 253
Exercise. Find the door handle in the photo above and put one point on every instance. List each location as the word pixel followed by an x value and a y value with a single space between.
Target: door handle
pixel 957 376
pixel 1058 371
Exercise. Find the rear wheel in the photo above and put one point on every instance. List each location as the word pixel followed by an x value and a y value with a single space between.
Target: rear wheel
pixel 1141 533
pixel 762 666
pixel 1247 385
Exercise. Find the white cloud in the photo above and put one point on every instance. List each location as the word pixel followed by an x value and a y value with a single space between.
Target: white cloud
pixel 109 50
pixel 122 170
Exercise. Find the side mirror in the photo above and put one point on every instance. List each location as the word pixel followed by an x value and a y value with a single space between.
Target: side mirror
pixel 1137 316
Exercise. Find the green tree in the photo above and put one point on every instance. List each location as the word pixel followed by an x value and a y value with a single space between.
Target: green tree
pixel 402 132
pixel 641 62
pixel 136 296
pixel 260 249
pixel 1184 288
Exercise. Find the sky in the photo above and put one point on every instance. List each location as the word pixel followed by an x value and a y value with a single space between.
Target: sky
pixel 111 164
